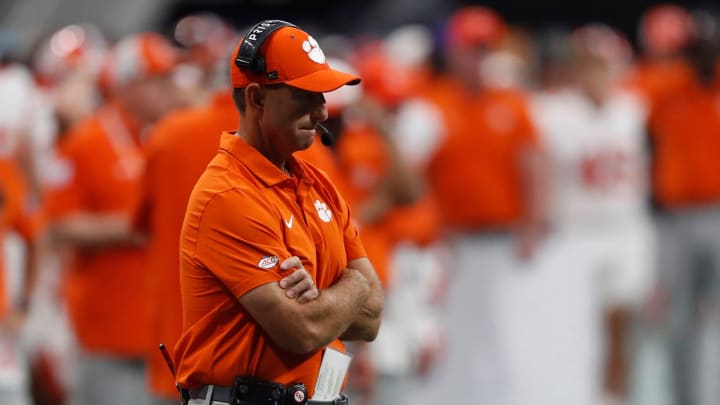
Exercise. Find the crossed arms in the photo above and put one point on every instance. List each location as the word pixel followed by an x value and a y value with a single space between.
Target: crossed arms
pixel 301 319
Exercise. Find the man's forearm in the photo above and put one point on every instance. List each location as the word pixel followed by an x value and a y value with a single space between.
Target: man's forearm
pixel 90 230
pixel 339 306
pixel 366 324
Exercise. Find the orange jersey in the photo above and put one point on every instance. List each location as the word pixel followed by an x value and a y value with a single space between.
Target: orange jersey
pixel 660 81
pixel 364 160
pixel 244 217
pixel 418 223
pixel 177 151
pixel 475 171
pixel 102 163
pixel 686 137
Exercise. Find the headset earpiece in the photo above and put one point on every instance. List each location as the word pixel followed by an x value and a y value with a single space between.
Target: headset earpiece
pixel 248 56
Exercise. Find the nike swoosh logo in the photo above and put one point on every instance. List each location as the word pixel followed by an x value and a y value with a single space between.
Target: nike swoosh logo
pixel 289 223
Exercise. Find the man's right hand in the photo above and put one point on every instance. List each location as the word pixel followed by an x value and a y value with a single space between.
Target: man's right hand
pixel 299 283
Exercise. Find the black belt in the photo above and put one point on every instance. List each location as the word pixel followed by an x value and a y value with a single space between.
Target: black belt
pixel 259 393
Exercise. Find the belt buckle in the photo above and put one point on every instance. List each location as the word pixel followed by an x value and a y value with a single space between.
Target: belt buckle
pixel 249 390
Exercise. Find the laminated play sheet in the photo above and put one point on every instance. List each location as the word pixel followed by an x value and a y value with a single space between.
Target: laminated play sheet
pixel 333 369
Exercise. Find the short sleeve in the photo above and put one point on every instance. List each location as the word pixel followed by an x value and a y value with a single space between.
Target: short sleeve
pixel 238 243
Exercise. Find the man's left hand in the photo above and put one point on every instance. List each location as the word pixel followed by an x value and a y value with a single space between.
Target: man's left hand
pixel 298 284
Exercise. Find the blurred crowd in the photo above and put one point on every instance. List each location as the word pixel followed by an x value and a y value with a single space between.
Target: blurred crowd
pixel 542 207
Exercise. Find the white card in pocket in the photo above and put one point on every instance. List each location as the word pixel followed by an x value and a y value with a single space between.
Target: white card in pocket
pixel 333 369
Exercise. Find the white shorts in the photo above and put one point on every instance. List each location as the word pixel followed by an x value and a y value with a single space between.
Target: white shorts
pixel 623 260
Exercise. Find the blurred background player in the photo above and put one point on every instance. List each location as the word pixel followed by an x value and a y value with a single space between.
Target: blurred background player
pixel 686 187
pixel 89 209
pixel 411 340
pixel 66 66
pixel 598 261
pixel 477 149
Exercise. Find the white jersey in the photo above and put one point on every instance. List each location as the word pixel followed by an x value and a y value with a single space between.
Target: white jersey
pixel 598 155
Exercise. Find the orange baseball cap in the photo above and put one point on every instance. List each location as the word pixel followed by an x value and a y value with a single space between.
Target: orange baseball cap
pixel 137 56
pixel 474 25
pixel 385 79
pixel 292 57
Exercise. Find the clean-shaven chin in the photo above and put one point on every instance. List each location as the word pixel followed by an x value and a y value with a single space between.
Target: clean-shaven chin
pixel 307 133
pixel 305 138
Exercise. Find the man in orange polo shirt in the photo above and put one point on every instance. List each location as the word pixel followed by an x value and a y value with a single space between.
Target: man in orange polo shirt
pixel 89 206
pixel 258 214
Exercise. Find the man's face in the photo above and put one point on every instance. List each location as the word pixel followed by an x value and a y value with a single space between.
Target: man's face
pixel 465 63
pixel 152 97
pixel 594 75
pixel 290 116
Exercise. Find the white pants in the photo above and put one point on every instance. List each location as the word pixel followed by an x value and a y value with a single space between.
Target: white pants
pixel 14 372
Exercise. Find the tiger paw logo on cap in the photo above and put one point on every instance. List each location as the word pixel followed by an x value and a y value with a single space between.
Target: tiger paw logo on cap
pixel 323 212
pixel 313 50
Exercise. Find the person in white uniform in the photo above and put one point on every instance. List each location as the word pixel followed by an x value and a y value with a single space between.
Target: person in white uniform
pixel 597 258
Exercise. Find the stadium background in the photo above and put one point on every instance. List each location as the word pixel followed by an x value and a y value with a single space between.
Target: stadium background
pixel 23 21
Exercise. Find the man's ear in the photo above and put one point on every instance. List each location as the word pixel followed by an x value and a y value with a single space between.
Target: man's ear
pixel 254 96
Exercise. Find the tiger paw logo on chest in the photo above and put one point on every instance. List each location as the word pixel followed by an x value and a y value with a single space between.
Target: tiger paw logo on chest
pixel 323 211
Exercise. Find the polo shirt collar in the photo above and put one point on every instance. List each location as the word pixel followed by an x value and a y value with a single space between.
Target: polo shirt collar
pixel 258 164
